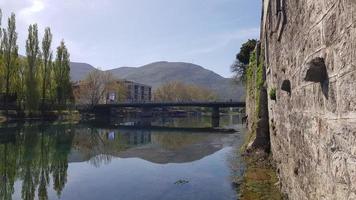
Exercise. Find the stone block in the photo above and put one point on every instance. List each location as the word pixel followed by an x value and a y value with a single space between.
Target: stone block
pixel 342 51
pixel 330 32
pixel 341 191
pixel 339 168
pixel 314 40
pixel 331 102
pixel 351 166
pixel 347 93
pixel 313 11
pixel 353 44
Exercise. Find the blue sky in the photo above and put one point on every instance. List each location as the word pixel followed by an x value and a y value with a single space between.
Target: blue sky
pixel 115 33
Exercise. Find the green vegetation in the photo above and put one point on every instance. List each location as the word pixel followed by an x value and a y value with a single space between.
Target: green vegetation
pixel 47 58
pixel 10 52
pixel 177 91
pixel 33 53
pixel 254 80
pixel 61 74
pixel 243 59
pixel 272 94
pixel 34 81
pixel 260 181
pixel 36 159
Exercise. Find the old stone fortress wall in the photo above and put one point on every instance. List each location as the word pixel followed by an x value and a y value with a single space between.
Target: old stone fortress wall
pixel 310 58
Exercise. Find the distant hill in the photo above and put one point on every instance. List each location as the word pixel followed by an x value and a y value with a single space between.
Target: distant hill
pixel 78 71
pixel 158 73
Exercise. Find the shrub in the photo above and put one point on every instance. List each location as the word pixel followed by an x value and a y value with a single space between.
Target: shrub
pixel 272 94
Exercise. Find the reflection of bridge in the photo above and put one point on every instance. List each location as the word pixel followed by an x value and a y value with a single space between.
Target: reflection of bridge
pixel 105 109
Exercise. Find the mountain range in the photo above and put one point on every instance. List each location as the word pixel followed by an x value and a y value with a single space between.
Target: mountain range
pixel 159 73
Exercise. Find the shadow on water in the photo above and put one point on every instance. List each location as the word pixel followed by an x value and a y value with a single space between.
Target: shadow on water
pixel 34 159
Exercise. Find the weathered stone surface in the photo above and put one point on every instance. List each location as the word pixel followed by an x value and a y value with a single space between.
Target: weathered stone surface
pixel 313 131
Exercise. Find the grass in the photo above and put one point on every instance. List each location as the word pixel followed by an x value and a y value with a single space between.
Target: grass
pixel 272 94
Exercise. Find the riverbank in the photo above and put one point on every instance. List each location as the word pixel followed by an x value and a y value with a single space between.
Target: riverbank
pixel 259 181
pixel 64 115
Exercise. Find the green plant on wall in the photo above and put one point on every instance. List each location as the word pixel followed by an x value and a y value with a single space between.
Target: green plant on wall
pixel 272 94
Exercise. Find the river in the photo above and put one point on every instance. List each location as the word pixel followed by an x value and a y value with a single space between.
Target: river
pixel 174 159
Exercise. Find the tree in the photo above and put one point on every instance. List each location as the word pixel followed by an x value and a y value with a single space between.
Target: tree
pixel 47 59
pixel 10 51
pixel 243 59
pixel 94 88
pixel 20 80
pixel 62 74
pixel 176 91
pixel 1 53
pixel 33 53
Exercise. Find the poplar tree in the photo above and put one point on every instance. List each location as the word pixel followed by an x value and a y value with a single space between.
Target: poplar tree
pixel 33 54
pixel 62 74
pixel 1 52
pixel 47 60
pixel 10 53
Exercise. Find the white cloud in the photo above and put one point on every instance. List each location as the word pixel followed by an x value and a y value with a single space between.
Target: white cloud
pixel 34 7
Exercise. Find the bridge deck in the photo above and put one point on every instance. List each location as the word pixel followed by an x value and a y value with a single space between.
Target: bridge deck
pixel 174 104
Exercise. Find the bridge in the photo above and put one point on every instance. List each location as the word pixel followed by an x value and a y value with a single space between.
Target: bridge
pixel 106 109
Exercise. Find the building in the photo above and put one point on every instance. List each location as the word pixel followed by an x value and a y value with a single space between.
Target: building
pixel 123 91
pixel 137 92
pixel 134 92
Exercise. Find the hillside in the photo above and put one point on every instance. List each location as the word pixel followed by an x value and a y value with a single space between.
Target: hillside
pixel 78 71
pixel 156 74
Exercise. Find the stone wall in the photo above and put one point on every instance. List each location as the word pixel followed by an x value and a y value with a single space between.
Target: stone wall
pixel 310 59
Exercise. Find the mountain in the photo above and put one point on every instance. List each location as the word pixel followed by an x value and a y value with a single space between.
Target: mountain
pixel 159 73
pixel 78 71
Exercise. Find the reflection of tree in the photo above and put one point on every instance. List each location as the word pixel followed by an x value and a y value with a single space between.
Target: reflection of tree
pixel 37 156
pixel 100 159
pixel 31 155
pixel 96 146
pixel 29 164
pixel 8 154
pixel 62 147
pixel 44 166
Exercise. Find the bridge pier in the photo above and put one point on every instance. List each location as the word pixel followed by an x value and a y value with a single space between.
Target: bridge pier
pixel 215 117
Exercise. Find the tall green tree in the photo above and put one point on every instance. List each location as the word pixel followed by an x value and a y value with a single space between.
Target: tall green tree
pixel 10 51
pixel 33 54
pixel 20 80
pixel 242 61
pixel 1 53
pixel 47 60
pixel 62 74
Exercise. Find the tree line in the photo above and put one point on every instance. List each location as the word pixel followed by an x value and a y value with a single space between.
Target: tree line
pixel 176 91
pixel 38 78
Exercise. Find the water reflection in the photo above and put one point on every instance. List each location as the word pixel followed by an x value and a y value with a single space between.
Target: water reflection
pixel 34 154
pixel 35 159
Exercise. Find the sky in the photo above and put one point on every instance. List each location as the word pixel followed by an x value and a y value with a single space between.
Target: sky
pixel 114 33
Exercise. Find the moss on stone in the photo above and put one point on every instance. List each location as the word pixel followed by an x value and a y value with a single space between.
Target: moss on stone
pixel 260 181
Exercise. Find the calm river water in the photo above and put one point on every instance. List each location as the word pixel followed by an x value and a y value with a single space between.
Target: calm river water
pixel 98 161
